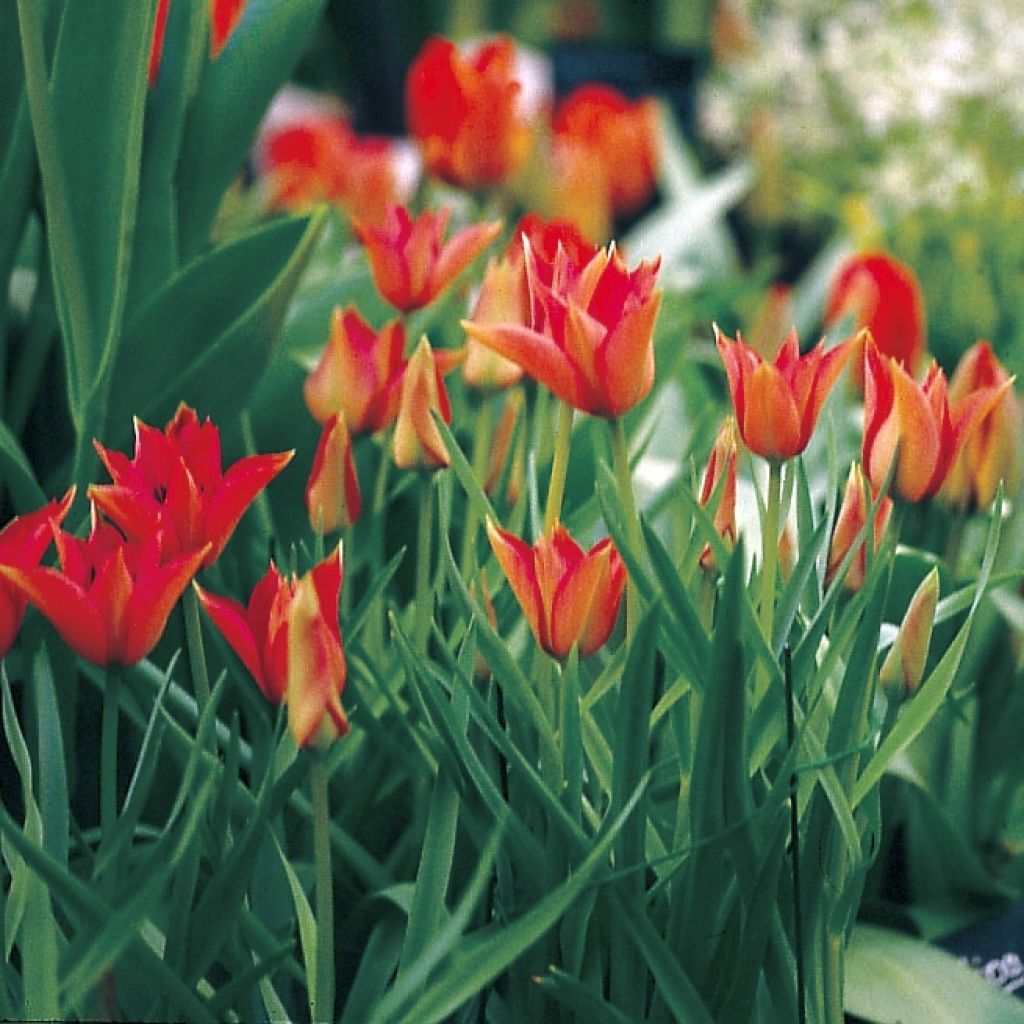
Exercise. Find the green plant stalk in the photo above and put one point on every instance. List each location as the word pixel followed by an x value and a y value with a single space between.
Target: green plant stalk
pixel 108 754
pixel 481 450
pixel 322 1002
pixel 770 551
pixel 624 484
pixel 559 467
pixel 424 539
pixel 196 651
pixel 378 518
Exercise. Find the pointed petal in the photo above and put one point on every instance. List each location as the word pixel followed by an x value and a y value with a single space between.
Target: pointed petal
pixel 771 425
pixel 461 249
pixel 604 610
pixel 232 622
pixel 135 512
pixel 516 559
pixel 573 600
pixel 625 363
pixel 918 436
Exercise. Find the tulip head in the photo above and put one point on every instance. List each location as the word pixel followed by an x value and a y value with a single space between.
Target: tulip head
pixel 992 452
pixel 903 667
pixel 418 443
pixel 569 598
pixel 916 425
pixel 850 522
pixel 411 262
pixel 22 544
pixel 720 472
pixel 471 110
pixel 777 403
pixel 333 499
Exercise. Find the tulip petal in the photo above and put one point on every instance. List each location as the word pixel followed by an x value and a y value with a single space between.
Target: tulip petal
pixel 918 436
pixel 462 248
pixel 232 622
pixel 604 609
pixel 574 598
pixel 515 557
pixel 771 424
pixel 625 363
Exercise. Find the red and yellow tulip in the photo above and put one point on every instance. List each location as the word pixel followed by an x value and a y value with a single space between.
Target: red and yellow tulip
pixel 417 442
pixel 590 338
pixel 721 464
pixel 333 499
pixel 777 403
pixel 851 520
pixel 570 598
pixel 174 488
pixel 410 261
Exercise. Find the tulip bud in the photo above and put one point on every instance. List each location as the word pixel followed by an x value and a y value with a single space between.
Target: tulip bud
pixel 853 515
pixel 721 461
pixel 903 667
pixel 418 442
pixel 332 493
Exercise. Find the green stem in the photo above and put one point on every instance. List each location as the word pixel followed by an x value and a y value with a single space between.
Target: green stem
pixel 770 550
pixel 322 1003
pixel 559 467
pixel 834 970
pixel 378 521
pixel 624 484
pixel 108 754
pixel 481 452
pixel 261 506
pixel 196 651
pixel 424 538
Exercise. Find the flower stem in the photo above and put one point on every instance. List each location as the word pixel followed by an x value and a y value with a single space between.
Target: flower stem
pixel 481 451
pixel 108 754
pixel 196 652
pixel 424 540
pixel 770 550
pixel 559 467
pixel 322 1003
pixel 378 521
pixel 624 483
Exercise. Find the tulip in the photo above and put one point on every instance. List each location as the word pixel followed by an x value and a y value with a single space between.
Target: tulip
pixel 174 487
pixel 919 421
pixel 777 403
pixel 111 598
pixel 992 452
pixel 883 295
pixel 289 640
pixel 501 446
pixel 469 111
pixel 721 463
pixel 852 518
pixel 359 373
pixel 224 18
pixel 504 297
pixel 903 668
pixel 591 333
pixel 332 493
pixel 22 544
pixel 411 263
pixel 418 442
pixel 570 599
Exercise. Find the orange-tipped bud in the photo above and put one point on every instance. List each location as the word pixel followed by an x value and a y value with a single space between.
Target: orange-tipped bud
pixel 569 598
pixel 777 403
pixel 993 451
pixel 721 464
pixel 418 443
pixel 333 499
pixel 903 668
pixel 852 518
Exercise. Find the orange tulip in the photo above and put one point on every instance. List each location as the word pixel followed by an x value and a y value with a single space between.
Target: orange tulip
pixel 418 443
pixel 174 487
pixel 410 262
pixel 777 403
pixel 884 296
pixel 604 157
pixel 569 598
pixel 111 599
pixel 359 373
pixel 992 452
pixel 468 111
pixel 852 518
pixel 919 421
pixel 332 493
pixel 22 544
pixel 721 463
pixel 289 640
pixel 591 333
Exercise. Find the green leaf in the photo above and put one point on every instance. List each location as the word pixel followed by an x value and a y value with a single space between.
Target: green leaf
pixel 234 93
pixel 304 917
pixel 53 782
pixel 893 977
pixel 207 336
pixel 17 474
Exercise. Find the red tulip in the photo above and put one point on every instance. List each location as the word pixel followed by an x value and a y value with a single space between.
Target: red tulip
pixel 411 263
pixel 919 421
pixel 468 111
pixel 591 333
pixel 852 518
pixel 359 373
pixel 174 487
pixel 289 640
pixel 332 493
pixel 111 600
pixel 569 598
pixel 777 404
pixel 224 18
pixel 22 544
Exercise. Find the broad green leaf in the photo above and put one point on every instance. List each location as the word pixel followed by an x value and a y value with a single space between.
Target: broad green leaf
pixel 207 337
pixel 53 782
pixel 304 917
pixel 234 92
pixel 892 977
